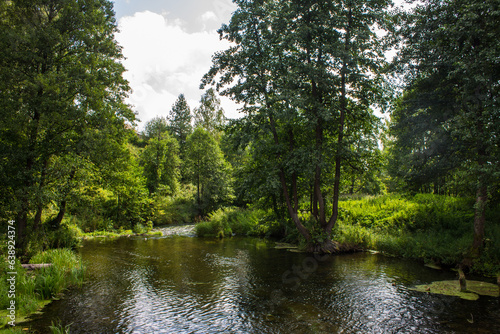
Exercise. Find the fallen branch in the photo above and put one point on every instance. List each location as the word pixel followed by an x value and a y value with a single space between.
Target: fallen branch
pixel 30 266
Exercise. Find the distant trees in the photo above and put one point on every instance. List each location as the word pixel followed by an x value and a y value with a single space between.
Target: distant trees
pixel 156 128
pixel 162 165
pixel 174 154
pixel 210 115
pixel 207 170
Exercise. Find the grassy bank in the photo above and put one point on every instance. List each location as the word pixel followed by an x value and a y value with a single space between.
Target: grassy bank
pixel 432 228
pixel 34 289
pixel 226 222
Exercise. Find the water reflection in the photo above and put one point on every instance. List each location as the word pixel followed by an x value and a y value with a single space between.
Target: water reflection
pixel 189 285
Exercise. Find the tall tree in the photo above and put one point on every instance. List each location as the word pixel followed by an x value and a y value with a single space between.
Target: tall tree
pixel 161 164
pixel 209 115
pixel 180 121
pixel 454 45
pixel 156 128
pixel 60 76
pixel 304 70
pixel 208 170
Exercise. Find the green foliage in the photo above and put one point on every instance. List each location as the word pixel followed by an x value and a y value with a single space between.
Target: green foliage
pixel 308 92
pixel 61 90
pixel 139 229
pixel 228 221
pixel 209 115
pixel 160 159
pixel 180 121
pixel 445 124
pixel 208 171
pixel 66 269
pixel 156 128
pixel 423 211
pixel 177 209
pixel 58 328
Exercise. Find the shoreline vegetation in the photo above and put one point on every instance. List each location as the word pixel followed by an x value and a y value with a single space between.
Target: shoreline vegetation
pixel 75 165
pixel 432 229
pixel 37 288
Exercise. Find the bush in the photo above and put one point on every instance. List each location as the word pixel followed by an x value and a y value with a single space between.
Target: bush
pixel 178 209
pixel 139 229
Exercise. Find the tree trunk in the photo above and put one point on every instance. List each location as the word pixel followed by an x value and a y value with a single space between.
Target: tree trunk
pixel 340 140
pixel 482 190
pixel 39 210
pixel 56 222
pixel 353 182
pixel 479 219
pixel 292 212
pixel 21 224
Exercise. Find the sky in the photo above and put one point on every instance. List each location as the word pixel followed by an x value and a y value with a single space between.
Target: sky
pixel 168 47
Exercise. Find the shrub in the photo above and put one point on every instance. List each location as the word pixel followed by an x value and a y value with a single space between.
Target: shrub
pixel 139 229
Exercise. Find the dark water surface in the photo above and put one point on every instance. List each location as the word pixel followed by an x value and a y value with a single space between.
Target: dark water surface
pixel 181 284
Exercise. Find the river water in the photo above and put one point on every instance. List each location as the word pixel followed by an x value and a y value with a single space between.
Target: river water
pixel 182 284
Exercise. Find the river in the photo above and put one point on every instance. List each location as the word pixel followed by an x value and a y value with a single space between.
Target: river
pixel 182 284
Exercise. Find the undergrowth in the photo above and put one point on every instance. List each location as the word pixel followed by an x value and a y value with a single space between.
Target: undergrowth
pixel 433 228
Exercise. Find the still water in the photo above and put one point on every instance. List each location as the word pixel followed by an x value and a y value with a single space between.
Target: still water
pixel 182 284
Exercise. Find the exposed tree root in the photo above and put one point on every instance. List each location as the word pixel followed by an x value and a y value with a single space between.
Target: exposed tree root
pixel 332 247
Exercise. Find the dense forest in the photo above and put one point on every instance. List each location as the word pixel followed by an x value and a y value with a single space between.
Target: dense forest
pixel 311 160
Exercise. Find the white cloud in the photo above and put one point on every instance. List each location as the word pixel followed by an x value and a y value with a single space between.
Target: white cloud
pixel 163 61
pixel 208 16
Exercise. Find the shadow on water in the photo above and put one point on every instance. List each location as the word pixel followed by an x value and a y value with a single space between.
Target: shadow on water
pixel 181 284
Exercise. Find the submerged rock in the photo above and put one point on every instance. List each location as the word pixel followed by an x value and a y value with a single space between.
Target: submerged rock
pixel 433 266
pixel 283 245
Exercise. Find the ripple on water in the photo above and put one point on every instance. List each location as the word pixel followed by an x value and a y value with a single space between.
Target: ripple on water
pixel 190 285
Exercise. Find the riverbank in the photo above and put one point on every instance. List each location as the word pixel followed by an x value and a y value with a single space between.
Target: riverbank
pixel 436 230
pixel 35 289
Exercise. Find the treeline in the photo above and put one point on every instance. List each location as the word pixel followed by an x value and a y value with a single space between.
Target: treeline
pixel 309 77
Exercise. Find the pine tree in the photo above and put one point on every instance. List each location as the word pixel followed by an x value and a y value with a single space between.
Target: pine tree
pixel 180 121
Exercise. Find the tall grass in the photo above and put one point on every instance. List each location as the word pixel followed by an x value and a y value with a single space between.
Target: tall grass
pixel 228 221
pixel 433 228
pixel 32 288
